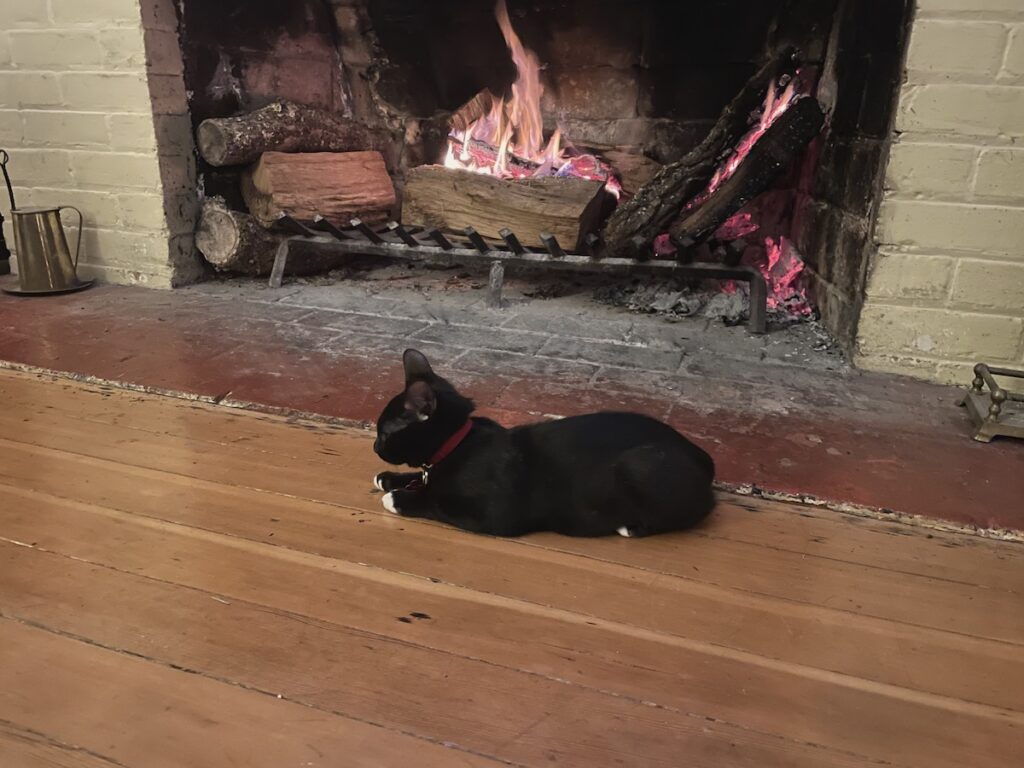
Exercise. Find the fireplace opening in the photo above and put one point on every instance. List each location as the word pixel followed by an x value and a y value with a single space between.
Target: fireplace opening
pixel 610 93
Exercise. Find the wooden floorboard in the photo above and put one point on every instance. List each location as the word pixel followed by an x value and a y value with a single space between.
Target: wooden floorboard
pixel 20 748
pixel 777 629
pixel 822 534
pixel 797 578
pixel 140 713
pixel 163 554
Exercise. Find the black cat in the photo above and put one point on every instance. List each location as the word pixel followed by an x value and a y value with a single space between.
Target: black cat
pixel 590 475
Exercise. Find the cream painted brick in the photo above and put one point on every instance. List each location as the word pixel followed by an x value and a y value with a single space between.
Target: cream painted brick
pixel 977 110
pixel 29 89
pixel 35 49
pixel 909 276
pixel 159 278
pixel 132 132
pixel 95 11
pixel 970 8
pixel 123 48
pixel 990 285
pixel 150 212
pixel 99 209
pixel 962 374
pixel 10 126
pixel 163 52
pixel 41 166
pixel 1001 173
pixel 930 169
pixel 116 91
pixel 127 250
pixel 115 169
pixel 938 333
pixel 65 129
pixel 996 230
pixel 1013 66
pixel 5 51
pixel 957 47
pixel 19 13
pixel 143 211
pixel 917 367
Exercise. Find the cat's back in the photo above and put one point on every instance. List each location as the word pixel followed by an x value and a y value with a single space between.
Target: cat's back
pixel 595 436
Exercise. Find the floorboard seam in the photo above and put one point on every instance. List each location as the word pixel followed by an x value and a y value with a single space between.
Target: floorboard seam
pixel 44 738
pixel 225 681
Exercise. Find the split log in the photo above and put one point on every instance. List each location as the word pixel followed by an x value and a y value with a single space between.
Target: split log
pixel 451 200
pixel 336 185
pixel 282 127
pixel 773 152
pixel 235 242
pixel 658 203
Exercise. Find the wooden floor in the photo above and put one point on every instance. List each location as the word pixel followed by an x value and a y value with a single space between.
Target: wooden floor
pixel 186 585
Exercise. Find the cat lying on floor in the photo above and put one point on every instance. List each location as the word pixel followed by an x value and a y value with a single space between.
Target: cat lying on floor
pixel 590 475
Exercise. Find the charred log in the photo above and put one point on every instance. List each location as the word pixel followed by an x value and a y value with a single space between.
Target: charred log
pixel 773 152
pixel 658 203
pixel 282 127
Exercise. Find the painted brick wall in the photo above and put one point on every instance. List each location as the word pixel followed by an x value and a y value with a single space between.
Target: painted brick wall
pixel 946 288
pixel 93 113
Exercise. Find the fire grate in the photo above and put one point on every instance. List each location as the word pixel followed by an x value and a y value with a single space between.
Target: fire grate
pixel 997 412
pixel 415 243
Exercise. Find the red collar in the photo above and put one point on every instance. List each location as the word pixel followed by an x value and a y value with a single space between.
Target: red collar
pixel 451 444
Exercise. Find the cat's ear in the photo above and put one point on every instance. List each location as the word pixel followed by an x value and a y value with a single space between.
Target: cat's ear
pixel 416 366
pixel 421 399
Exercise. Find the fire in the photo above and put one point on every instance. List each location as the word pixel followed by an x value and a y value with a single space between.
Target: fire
pixel 776 102
pixel 508 142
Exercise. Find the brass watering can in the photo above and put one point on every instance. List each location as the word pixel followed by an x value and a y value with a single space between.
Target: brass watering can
pixel 45 264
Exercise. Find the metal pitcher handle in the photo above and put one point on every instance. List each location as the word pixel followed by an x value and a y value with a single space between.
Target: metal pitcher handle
pixel 81 221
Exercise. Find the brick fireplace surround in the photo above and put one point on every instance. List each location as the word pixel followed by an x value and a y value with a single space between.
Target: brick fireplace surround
pixel 94 111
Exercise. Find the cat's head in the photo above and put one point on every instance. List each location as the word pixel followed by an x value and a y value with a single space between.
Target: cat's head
pixel 418 420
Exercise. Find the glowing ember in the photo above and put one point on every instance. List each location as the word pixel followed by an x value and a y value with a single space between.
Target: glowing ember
pixel 737 227
pixel 769 250
pixel 782 272
pixel 508 142
pixel 775 104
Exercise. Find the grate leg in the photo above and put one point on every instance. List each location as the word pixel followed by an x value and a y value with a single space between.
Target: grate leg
pixel 495 284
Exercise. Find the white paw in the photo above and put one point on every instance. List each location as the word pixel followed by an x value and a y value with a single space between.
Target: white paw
pixel 388 501
pixel 624 531
pixel 377 482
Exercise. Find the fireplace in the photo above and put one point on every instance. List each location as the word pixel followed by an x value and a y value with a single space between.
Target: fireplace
pixel 619 81
pixel 636 84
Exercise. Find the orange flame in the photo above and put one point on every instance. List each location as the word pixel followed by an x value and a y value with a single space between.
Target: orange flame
pixel 514 127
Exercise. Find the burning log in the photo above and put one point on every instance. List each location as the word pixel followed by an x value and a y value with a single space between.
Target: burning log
pixel 451 200
pixel 235 242
pixel 475 109
pixel 338 186
pixel 282 127
pixel 775 150
pixel 658 203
